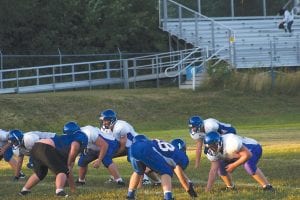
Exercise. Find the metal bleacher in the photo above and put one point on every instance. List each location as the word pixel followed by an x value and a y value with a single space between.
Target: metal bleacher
pixel 250 42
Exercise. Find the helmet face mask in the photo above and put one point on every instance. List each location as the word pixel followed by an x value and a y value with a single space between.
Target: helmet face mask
pixel 213 141
pixel 195 125
pixel 107 118
pixel 15 138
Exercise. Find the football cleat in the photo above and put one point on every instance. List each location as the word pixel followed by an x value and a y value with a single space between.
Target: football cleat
pixel 79 183
pixel 269 188
pixel 24 192
pixel 62 194
pixel 22 175
pixel 120 183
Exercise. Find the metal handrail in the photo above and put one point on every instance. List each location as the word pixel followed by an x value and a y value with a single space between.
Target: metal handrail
pixel 203 16
pixel 180 62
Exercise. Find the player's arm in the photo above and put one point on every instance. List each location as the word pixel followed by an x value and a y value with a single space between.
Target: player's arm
pixel 74 150
pixel 184 181
pixel 214 166
pixel 102 144
pixel 199 145
pixel 123 140
pixel 4 148
pixel 244 155
pixel 19 165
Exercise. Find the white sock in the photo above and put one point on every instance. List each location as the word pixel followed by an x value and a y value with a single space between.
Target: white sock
pixel 118 179
pixel 25 189
pixel 58 190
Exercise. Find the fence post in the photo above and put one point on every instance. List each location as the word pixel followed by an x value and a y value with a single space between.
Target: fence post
pixel 90 77
pixel 60 62
pixel 37 76
pixel 213 36
pixel 134 72
pixel 1 65
pixel 180 20
pixel 125 74
pixel 199 6
pixel 194 77
pixel 17 79
pixel 298 48
pixel 272 49
pixel 196 30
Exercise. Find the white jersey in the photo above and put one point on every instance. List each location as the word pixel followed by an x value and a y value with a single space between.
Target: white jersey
pixel 30 138
pixel 232 144
pixel 3 137
pixel 122 128
pixel 93 133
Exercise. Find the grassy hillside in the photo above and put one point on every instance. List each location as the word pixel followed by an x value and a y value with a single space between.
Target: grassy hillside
pixel 147 109
pixel 274 120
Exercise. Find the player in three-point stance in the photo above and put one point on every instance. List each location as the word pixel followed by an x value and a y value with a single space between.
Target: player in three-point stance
pixel 164 158
pixel 227 152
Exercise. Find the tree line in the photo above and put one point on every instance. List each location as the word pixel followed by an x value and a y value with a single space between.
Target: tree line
pixel 102 26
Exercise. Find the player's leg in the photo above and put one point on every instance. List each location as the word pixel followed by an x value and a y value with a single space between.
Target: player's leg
pixel 30 183
pixel 252 169
pixel 224 175
pixel 83 162
pixel 133 185
pixel 166 183
pixel 260 178
pixel 114 172
pixel 155 179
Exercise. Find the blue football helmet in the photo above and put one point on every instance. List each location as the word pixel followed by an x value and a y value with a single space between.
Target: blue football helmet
pixel 108 115
pixel 213 141
pixel 195 124
pixel 70 128
pixel 179 143
pixel 15 137
pixel 139 138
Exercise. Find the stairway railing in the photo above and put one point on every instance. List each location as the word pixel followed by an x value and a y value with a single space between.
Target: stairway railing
pixel 171 11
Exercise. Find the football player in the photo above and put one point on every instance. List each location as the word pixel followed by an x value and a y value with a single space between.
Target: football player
pixel 162 157
pixel 101 148
pixel 227 152
pixel 23 144
pixel 6 152
pixel 124 134
pixel 198 128
pixel 57 154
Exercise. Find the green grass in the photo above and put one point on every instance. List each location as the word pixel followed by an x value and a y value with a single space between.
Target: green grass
pixel 274 120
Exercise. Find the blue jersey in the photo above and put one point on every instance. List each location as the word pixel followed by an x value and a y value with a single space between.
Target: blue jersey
pixel 63 142
pixel 158 155
pixel 225 128
pixel 113 146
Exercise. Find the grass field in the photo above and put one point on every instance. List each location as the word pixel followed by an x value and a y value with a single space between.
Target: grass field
pixel 274 120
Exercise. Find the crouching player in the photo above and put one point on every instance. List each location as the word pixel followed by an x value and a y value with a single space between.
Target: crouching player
pixel 162 157
pixel 57 154
pixel 101 148
pixel 6 152
pixel 227 152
